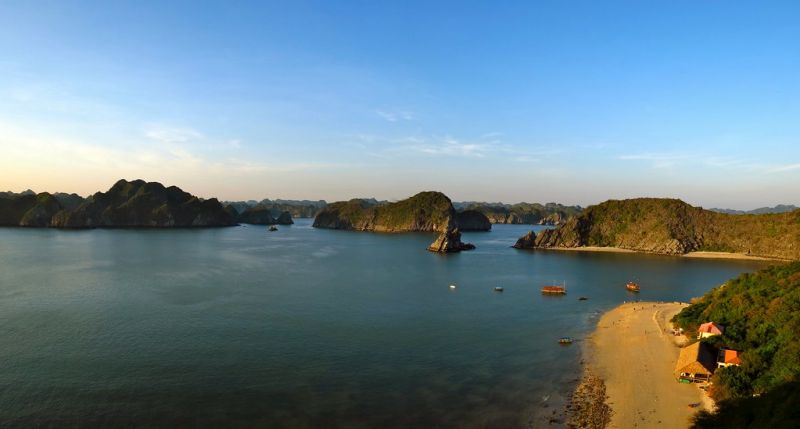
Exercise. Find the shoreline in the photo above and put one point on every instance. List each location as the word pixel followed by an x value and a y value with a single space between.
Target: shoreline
pixel 690 255
pixel 628 378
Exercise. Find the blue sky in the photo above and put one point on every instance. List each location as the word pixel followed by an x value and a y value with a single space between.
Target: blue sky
pixel 575 102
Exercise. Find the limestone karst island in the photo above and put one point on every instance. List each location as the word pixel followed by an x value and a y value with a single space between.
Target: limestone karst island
pixel 399 215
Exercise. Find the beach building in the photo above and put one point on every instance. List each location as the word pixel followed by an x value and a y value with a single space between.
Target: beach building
pixel 696 362
pixel 709 330
pixel 728 357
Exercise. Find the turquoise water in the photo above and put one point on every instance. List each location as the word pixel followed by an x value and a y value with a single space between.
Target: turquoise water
pixel 238 327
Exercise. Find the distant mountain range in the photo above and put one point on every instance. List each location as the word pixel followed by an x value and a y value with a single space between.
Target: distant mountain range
pixel 128 204
pixel 780 208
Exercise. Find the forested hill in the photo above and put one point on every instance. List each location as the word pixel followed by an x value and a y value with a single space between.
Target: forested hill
pixel 761 316
pixel 425 211
pixel 126 204
pixel 671 226
pixel 523 213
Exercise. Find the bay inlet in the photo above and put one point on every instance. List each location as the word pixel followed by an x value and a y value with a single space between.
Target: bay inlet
pixel 304 327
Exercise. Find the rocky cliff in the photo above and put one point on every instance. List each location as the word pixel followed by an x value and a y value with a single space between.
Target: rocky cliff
pixel 449 242
pixel 126 204
pixel 426 211
pixel 670 226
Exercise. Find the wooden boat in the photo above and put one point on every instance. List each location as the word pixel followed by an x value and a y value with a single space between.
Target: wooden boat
pixel 565 340
pixel 583 298
pixel 498 288
pixel 632 286
pixel 272 228
pixel 555 290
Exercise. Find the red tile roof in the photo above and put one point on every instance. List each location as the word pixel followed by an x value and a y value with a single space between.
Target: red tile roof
pixel 711 328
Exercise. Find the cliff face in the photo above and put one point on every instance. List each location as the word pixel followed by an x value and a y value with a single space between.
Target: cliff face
pixel 426 211
pixel 28 209
pixel 449 242
pixel 126 204
pixel 671 226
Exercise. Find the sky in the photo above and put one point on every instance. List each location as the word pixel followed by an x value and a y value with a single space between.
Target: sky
pixel 568 101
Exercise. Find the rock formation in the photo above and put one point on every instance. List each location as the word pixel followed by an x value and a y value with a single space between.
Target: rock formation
pixel 126 204
pixel 426 211
pixel 669 226
pixel 449 241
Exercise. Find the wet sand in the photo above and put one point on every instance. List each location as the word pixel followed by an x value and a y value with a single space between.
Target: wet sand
pixel 633 355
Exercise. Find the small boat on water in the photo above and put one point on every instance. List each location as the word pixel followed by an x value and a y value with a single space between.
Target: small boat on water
pixel 555 290
pixel 272 228
pixel 583 298
pixel 452 286
pixel 565 340
pixel 498 288
pixel 632 286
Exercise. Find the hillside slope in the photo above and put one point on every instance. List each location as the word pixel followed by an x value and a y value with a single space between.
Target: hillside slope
pixel 425 211
pixel 126 204
pixel 670 226
pixel 760 313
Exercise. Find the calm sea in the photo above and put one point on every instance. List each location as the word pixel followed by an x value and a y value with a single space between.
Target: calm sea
pixel 302 328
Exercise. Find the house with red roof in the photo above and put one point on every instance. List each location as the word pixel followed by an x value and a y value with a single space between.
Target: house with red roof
pixel 728 357
pixel 709 329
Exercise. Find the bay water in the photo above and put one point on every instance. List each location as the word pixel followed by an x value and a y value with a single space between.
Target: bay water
pixel 302 327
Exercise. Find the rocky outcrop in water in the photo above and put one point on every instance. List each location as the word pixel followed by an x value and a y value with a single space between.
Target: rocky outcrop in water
pixel 449 242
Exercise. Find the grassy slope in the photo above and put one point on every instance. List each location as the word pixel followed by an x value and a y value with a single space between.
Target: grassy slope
pixel 672 226
pixel 426 211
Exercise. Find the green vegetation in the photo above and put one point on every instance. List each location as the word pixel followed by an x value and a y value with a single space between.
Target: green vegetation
pixel 126 204
pixel 777 409
pixel 524 213
pixel 426 211
pixel 761 316
pixel 671 226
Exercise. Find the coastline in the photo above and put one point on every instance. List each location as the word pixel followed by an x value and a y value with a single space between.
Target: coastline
pixel 628 372
pixel 691 255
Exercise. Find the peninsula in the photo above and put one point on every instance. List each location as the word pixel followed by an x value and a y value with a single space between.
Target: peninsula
pixel 673 227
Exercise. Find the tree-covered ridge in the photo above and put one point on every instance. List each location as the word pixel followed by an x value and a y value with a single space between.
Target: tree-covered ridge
pixel 425 211
pixel 761 316
pixel 127 204
pixel 670 226
pixel 523 213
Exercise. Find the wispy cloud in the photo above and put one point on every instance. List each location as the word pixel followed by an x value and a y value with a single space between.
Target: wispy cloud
pixel 165 134
pixel 783 168
pixel 394 116
pixel 657 160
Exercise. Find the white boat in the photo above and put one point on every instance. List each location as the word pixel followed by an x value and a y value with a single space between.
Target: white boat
pixel 452 286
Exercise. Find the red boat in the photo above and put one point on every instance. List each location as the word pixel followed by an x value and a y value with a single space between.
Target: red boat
pixel 555 290
pixel 632 286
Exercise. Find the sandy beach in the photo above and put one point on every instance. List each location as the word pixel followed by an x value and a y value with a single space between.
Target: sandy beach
pixel 632 352
pixel 695 255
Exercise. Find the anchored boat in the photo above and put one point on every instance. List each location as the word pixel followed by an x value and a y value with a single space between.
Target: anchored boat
pixel 632 286
pixel 565 340
pixel 555 290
